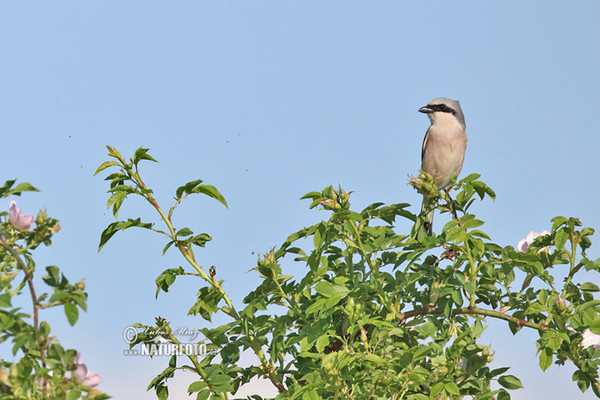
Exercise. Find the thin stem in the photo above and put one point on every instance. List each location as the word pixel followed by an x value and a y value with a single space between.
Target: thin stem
pixel 36 306
pixel 473 274
pixel 270 373
pixel 472 311
pixel 173 235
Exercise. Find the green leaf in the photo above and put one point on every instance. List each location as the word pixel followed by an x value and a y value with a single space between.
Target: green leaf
pixel 561 238
pixel 510 382
pixel 545 358
pixel 452 388
pixel 310 395
pixel 185 232
pixel 105 165
pixel 166 279
pixel 109 232
pixel 196 386
pixel 117 198
pixel 73 394
pixel 114 152
pixel 142 154
pixel 329 290
pixel 5 300
pixel 200 240
pixel 316 306
pixel 470 287
pixel 162 391
pixel 203 395
pixel 196 187
pixel 54 277
pixel 115 227
pixel 589 287
pixel 322 342
pixel 7 189
pixel 167 246
pixel 23 187
pixel 583 382
pixel 498 371
pixel 437 389
pixel 72 313
pixel 503 395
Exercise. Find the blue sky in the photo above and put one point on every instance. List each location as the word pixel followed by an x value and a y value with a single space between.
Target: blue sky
pixel 271 100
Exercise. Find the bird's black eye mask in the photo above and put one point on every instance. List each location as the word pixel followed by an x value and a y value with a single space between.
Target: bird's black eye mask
pixel 442 108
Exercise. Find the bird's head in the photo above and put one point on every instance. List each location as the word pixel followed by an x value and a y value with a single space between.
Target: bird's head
pixel 443 109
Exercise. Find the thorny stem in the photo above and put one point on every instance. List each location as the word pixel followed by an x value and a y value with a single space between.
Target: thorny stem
pixel 472 311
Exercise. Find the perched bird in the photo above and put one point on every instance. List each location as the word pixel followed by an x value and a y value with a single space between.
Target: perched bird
pixel 444 146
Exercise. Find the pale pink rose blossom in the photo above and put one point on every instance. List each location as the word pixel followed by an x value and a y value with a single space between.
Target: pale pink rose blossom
pixel 20 221
pixel 84 376
pixel 523 245
pixel 590 339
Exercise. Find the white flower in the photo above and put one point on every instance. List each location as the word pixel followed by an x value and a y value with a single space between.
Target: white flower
pixel 523 245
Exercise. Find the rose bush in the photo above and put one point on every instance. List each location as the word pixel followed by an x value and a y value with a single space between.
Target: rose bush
pixel 372 313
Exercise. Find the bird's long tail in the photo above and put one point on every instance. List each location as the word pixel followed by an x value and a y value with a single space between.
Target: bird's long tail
pixel 428 217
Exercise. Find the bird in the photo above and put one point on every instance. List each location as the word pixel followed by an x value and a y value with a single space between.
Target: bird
pixel 444 145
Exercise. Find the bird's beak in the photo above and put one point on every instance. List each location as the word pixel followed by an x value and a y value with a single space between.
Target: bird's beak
pixel 425 110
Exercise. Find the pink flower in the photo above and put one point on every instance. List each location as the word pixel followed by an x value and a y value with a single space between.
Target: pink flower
pixel 20 221
pixel 84 376
pixel 590 339
pixel 523 245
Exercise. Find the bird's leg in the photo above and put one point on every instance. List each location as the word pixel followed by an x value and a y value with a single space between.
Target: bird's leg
pixel 452 208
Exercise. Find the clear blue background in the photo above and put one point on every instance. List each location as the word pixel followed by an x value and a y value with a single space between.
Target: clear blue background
pixel 268 101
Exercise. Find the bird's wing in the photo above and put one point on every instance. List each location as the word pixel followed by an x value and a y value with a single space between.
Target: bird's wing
pixel 424 144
